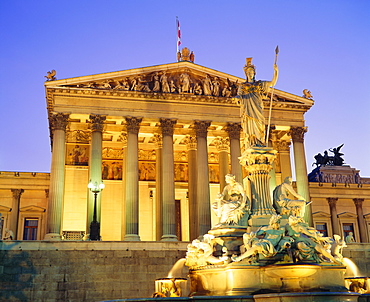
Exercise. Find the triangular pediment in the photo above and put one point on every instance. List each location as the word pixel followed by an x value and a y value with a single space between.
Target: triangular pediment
pixel 184 78
pixel 321 214
pixel 347 215
pixel 5 209
pixel 32 208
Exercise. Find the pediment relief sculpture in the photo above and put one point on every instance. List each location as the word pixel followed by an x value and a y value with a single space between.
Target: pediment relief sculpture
pixel 178 82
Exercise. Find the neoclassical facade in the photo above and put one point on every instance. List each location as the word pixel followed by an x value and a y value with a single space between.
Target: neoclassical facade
pixel 161 139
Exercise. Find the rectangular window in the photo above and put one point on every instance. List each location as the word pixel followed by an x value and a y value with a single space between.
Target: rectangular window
pixel 322 228
pixel 348 228
pixel 30 228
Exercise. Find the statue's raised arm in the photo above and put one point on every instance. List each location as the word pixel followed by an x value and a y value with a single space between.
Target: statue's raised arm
pixel 250 96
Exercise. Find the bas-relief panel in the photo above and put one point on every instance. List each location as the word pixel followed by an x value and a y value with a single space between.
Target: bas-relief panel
pixel 77 155
pixel 113 161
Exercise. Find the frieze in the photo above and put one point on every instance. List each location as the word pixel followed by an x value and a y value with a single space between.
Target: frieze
pixel 78 136
pixel 161 82
pixel 112 153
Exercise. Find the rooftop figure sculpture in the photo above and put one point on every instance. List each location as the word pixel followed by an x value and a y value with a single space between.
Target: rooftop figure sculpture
pixel 326 160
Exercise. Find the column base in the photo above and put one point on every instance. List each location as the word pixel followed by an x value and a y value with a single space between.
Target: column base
pixel 169 238
pixel 53 237
pixel 131 237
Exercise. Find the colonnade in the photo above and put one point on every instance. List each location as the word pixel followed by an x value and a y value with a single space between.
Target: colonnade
pixel 198 183
pixel 332 201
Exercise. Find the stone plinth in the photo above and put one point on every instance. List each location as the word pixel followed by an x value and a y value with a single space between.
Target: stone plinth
pixel 257 161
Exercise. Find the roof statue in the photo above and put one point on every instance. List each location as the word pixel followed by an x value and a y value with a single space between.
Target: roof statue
pixel 307 94
pixel 326 160
pixel 51 75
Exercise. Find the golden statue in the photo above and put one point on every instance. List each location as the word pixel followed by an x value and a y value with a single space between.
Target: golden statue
pixel 250 95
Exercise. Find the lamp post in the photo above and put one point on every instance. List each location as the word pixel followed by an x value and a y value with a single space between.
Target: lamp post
pixel 95 225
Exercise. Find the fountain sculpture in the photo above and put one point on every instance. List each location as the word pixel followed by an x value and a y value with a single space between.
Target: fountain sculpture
pixel 262 249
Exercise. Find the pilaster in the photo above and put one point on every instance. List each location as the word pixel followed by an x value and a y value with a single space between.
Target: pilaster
pixel 233 129
pixel 222 145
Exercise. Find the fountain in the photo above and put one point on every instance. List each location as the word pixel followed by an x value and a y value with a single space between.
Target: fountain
pixel 262 249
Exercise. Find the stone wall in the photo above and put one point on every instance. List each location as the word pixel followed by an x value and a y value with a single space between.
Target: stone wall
pixel 96 271
pixel 83 271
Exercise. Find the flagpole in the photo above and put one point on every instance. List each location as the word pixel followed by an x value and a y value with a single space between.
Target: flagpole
pixel 178 34
pixel 272 93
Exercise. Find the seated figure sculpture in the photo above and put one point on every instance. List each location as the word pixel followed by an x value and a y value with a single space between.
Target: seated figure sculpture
pixel 230 204
pixel 283 204
pixel 268 245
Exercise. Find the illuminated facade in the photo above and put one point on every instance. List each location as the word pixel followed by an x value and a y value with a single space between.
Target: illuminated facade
pixel 161 138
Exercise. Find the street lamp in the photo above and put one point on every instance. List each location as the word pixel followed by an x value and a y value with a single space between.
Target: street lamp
pixel 95 225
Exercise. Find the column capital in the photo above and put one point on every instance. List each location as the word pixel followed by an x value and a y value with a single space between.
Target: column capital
pixel 332 201
pixel 281 145
pixel 297 133
pixel 17 193
pixel 97 122
pixel 133 124
pixel 222 143
pixel 59 121
pixel 233 129
pixel 167 126
pixel 358 202
pixel 201 127
pixel 158 140
pixel 191 142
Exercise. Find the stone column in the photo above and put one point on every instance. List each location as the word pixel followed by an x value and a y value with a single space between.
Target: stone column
pixel 95 169
pixel 203 191
pixel 282 163
pixel 132 179
pixel 14 215
pixel 233 129
pixel 191 143
pixel 360 218
pixel 123 139
pixel 58 122
pixel 334 215
pixel 222 145
pixel 158 186
pixel 297 134
pixel 168 172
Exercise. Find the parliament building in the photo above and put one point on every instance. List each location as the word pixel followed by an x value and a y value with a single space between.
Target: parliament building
pixel 161 139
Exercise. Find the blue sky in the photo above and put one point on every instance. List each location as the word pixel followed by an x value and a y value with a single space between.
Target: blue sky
pixel 324 47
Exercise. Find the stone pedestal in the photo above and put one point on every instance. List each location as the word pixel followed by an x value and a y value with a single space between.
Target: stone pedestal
pixel 257 162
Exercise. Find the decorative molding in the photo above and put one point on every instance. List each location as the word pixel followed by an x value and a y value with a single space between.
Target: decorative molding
pixel 78 136
pixel 157 138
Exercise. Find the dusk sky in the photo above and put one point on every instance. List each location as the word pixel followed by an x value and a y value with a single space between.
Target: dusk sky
pixel 324 47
